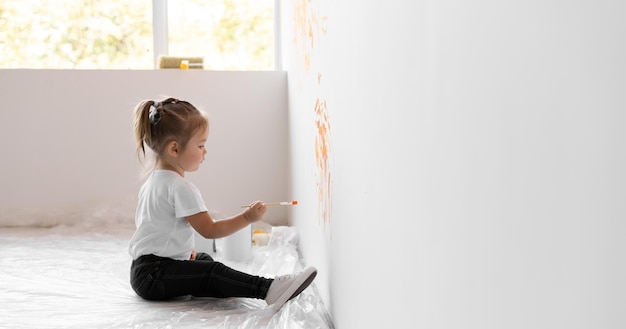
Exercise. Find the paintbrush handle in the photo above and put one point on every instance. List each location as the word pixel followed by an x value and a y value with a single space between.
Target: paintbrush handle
pixel 283 203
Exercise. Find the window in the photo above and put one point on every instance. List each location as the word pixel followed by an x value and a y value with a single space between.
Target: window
pixel 76 34
pixel 229 34
pixel 118 34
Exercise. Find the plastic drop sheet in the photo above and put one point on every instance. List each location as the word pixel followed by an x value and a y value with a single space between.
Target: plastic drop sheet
pixel 82 281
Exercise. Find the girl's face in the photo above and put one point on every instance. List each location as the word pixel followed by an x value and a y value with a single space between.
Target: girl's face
pixel 193 155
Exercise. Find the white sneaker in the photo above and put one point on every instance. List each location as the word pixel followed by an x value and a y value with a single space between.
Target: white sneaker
pixel 286 287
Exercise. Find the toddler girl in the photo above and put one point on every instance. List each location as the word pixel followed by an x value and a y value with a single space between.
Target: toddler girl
pixel 170 207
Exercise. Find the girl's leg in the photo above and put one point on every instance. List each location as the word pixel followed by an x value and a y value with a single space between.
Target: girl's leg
pixel 158 278
pixel 207 278
pixel 203 256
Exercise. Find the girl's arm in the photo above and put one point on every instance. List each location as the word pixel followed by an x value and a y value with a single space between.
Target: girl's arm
pixel 215 229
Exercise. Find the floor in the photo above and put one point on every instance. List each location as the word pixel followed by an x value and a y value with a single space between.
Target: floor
pixel 51 279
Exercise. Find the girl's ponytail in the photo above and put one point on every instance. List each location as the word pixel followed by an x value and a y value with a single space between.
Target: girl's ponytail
pixel 143 131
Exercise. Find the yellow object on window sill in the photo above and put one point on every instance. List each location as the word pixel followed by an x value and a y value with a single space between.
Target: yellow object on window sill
pixel 183 63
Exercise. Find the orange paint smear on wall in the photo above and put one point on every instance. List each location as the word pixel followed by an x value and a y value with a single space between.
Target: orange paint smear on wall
pixel 308 29
pixel 322 161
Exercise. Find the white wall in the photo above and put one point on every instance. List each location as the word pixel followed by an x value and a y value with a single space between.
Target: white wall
pixel 69 152
pixel 477 160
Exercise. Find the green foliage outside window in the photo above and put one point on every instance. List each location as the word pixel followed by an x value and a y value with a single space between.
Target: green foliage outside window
pixel 82 34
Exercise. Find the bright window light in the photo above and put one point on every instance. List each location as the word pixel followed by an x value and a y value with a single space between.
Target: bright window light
pixel 117 34
pixel 228 34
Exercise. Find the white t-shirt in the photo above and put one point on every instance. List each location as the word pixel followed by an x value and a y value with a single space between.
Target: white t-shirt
pixel 165 199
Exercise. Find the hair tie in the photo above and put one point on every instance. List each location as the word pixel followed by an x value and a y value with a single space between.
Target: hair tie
pixel 155 114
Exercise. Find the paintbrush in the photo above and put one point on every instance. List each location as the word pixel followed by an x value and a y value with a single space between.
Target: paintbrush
pixel 282 203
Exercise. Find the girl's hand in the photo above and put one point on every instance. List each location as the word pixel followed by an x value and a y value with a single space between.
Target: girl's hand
pixel 255 211
pixel 193 254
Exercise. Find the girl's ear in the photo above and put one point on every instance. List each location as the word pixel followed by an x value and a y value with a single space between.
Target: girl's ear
pixel 172 149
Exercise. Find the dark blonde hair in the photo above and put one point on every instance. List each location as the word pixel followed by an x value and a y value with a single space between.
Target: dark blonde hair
pixel 158 123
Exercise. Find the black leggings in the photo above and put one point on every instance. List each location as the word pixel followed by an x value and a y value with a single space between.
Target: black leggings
pixel 158 278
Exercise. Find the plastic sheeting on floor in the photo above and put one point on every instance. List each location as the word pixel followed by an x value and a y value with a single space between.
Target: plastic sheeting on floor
pixel 82 281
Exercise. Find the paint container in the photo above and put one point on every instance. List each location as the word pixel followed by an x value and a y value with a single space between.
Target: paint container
pixel 260 238
pixel 238 246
